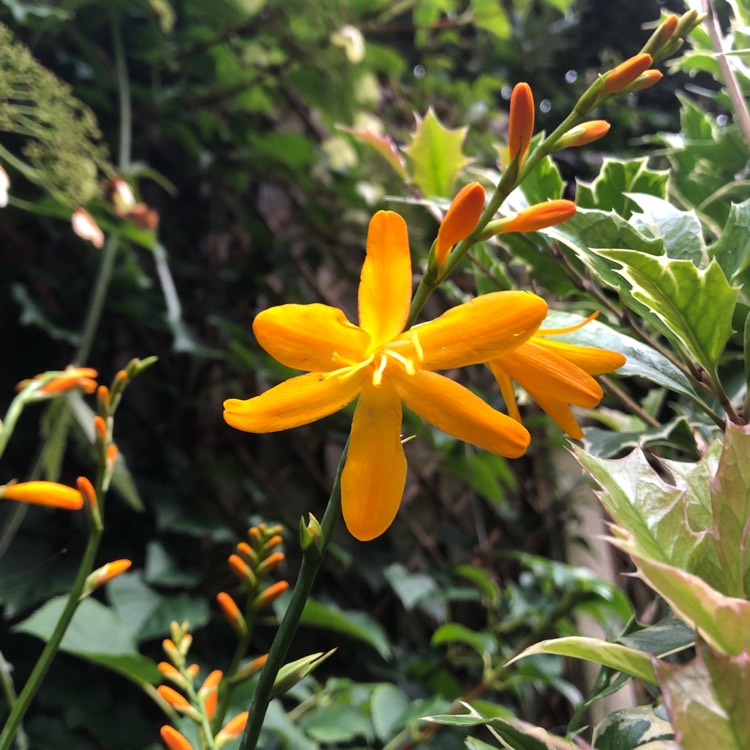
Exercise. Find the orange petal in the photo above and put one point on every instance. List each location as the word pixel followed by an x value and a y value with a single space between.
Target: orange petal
pixel 385 284
pixel 544 373
pixel 590 359
pixel 506 389
pixel 457 411
pixel 316 338
pixel 373 479
pixel 476 331
pixel 297 401
pixel 45 493
pixel 561 414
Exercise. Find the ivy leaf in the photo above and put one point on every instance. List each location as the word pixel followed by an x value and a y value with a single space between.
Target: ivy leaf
pixel 608 192
pixel 693 307
pixel 702 698
pixel 436 155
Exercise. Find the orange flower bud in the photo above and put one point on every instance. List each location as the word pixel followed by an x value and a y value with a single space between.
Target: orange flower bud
pixel 232 729
pixel 121 377
pixel 460 219
pixel 242 571
pixel 620 76
pixel 521 122
pixel 171 651
pixel 250 669
pixel 171 673
pixel 532 219
pixel 86 228
pixel 106 573
pixel 274 541
pixel 209 693
pixel 271 562
pixel 112 454
pixel 173 739
pixel 582 134
pixel 254 535
pixel 100 429
pixel 88 493
pixel 81 378
pixel 102 400
pixel 193 670
pixel 662 35
pixel 231 613
pixel 645 81
pixel 51 494
pixel 247 553
pixel 270 595
pixel 175 699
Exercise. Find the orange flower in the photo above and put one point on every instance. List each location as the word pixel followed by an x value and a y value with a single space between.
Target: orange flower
pixel 44 493
pixel 521 122
pixel 173 739
pixel 106 573
pixel 555 374
pixel 460 219
pixel 385 366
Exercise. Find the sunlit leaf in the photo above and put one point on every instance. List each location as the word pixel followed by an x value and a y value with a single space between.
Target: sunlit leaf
pixel 436 155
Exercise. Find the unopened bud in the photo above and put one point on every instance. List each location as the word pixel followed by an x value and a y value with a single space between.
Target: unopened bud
pixel 51 494
pixel 232 729
pixel 583 134
pixel 102 400
pixel 172 652
pixel 209 694
pixel 242 571
pixel 247 553
pixel 270 595
pixel 88 493
pixel 290 674
pixel 459 221
pixel 172 674
pixel 106 573
pixel 625 73
pixel 312 533
pixel 271 562
pixel 232 613
pixel 173 739
pixel 661 36
pixel 644 81
pixel 248 671
pixel 520 122
pixel 100 429
pixel 532 219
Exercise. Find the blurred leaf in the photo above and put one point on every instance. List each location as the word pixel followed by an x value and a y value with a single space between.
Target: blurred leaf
pixel 336 723
pixel 693 306
pixel 490 16
pixel 484 644
pixel 544 183
pixel 612 655
pixel 482 580
pixel 608 192
pixel 676 433
pixel 387 710
pixel 148 613
pixel 384 145
pixel 410 588
pixel 703 699
pixel 633 728
pixel 32 315
pixel 663 638
pixel 96 634
pixel 163 570
pixel 436 156
pixel 356 625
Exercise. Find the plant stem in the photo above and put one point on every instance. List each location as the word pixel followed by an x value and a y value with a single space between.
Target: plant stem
pixel 312 557
pixel 50 649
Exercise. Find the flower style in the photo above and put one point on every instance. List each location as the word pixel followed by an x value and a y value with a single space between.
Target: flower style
pixel 555 375
pixel 385 365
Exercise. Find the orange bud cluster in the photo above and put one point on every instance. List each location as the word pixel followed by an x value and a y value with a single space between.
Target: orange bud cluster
pixel 73 378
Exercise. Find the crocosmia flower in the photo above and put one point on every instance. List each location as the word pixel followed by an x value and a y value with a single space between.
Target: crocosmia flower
pixel 555 374
pixel 385 366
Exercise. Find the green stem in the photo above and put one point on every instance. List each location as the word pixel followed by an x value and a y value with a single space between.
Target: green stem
pixel 48 654
pixel 123 88
pixel 312 557
pixel 228 689
pixel 6 681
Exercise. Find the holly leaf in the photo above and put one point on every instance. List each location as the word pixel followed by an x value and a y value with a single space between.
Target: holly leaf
pixel 693 307
pixel 384 145
pixel 436 155
pixel 703 700
pixel 732 249
pixel 617 178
